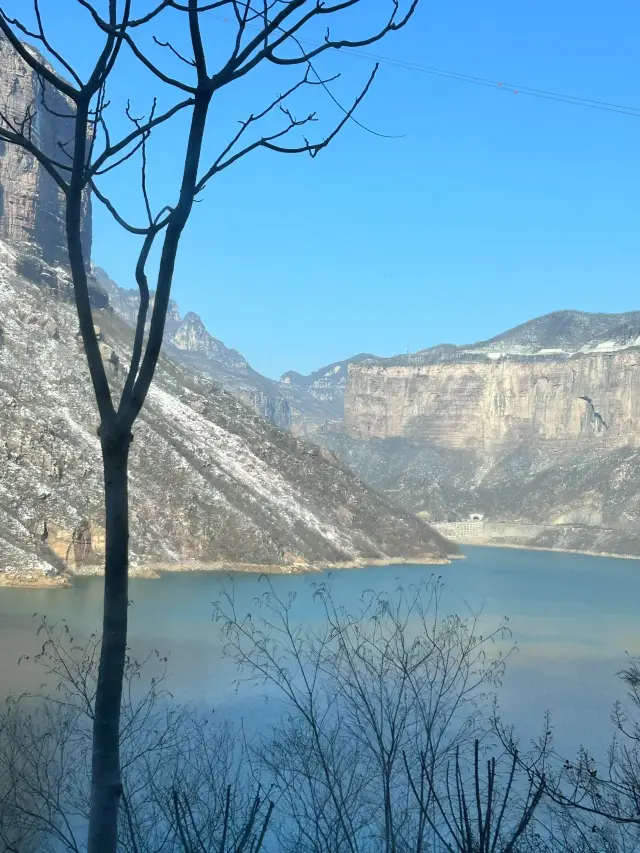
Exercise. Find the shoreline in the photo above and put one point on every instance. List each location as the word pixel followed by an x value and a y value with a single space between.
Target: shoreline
pixel 530 536
pixel 13 581
pixel 154 571
pixel 519 547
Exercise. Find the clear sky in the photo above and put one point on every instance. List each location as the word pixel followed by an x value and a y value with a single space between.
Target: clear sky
pixel 492 208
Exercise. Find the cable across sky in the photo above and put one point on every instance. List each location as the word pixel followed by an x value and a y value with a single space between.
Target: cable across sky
pixel 504 86
pixel 509 88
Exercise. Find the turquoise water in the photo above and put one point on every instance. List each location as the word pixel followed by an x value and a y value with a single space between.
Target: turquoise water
pixel 573 618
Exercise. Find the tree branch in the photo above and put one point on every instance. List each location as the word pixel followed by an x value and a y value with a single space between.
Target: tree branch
pixel 141 321
pixel 391 26
pixel 111 150
pixel 47 163
pixel 279 101
pixel 174 51
pixel 132 229
pixel 37 65
pixel 58 56
pixel 311 148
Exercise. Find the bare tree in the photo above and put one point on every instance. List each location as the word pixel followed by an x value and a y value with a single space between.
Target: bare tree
pixel 473 814
pixel 381 743
pixel 187 780
pixel 591 804
pixel 267 33
pixel 366 695
pixel 604 795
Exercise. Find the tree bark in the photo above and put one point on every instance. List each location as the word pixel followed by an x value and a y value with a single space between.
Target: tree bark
pixel 106 784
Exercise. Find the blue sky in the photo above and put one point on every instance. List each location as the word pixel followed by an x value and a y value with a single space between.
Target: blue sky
pixel 492 208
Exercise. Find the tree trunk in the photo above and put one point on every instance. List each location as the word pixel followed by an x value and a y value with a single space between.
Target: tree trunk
pixel 106 784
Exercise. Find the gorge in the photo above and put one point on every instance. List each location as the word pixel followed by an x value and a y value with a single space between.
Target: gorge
pixel 534 433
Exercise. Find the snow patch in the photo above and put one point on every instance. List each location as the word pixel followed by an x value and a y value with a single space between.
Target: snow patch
pixel 236 458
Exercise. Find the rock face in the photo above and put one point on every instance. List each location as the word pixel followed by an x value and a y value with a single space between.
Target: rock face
pixel 326 386
pixel 31 205
pixel 539 426
pixel 490 404
pixel 190 335
pixel 561 333
pixel 242 491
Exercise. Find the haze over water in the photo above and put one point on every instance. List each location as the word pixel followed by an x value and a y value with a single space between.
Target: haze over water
pixel 573 618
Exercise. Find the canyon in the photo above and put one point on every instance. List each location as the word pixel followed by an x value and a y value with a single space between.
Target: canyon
pixel 243 493
pixel 534 432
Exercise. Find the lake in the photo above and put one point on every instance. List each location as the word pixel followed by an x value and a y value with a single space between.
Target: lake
pixel 573 617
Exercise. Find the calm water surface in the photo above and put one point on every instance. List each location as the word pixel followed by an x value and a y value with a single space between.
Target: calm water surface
pixel 573 618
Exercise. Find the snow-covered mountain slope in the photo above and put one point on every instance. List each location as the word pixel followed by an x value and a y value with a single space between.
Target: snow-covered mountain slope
pixel 211 482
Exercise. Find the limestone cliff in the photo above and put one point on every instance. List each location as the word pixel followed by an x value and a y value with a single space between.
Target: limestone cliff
pixel 560 334
pixel 326 386
pixel 32 220
pixel 488 403
pixel 538 426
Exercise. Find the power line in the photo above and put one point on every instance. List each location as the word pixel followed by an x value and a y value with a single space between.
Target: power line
pixel 497 84
pixel 590 103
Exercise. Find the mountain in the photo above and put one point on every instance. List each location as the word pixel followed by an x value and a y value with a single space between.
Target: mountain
pixel 243 492
pixel 32 229
pixel 187 334
pixel 570 331
pixel 187 341
pixel 531 427
pixel 561 331
pixel 537 426
pixel 326 386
